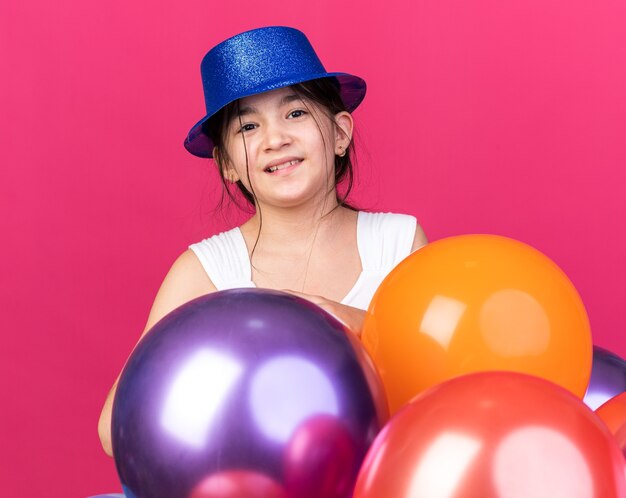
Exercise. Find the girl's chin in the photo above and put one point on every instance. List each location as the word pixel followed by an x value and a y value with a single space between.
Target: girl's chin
pixel 294 193
pixel 293 199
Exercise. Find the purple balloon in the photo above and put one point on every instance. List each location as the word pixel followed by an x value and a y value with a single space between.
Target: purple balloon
pixel 608 378
pixel 225 382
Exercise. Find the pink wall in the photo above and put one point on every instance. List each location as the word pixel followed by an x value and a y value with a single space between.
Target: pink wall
pixel 505 117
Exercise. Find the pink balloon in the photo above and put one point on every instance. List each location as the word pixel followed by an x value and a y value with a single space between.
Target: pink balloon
pixel 321 460
pixel 238 484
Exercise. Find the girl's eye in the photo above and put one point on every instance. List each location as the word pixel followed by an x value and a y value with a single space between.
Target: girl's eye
pixel 297 113
pixel 247 127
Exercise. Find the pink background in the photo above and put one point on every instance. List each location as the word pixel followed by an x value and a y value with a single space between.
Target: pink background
pixel 504 117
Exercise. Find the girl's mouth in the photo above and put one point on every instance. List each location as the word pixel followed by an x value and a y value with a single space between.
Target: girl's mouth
pixel 283 166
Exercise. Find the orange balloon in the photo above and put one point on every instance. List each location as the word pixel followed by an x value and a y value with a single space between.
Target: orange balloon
pixel 474 303
pixel 613 413
pixel 494 435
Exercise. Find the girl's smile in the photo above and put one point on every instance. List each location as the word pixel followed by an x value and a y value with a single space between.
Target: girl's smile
pixel 282 166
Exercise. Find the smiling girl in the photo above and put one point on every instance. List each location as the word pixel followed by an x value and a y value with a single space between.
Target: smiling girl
pixel 279 129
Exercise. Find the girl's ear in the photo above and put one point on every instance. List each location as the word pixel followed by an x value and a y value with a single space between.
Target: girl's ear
pixel 227 172
pixel 343 132
pixel 231 175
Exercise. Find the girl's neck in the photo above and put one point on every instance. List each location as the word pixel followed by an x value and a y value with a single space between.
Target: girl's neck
pixel 295 225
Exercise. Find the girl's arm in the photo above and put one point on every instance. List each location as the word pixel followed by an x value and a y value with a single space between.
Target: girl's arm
pixel 185 281
pixel 350 316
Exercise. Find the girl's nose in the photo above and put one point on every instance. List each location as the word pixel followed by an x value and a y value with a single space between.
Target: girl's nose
pixel 276 137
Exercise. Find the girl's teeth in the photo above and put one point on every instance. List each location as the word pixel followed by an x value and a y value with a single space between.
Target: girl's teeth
pixel 282 166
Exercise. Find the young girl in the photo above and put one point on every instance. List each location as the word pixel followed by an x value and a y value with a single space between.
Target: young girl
pixel 279 128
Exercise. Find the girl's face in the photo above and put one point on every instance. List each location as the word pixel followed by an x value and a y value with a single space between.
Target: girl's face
pixel 290 146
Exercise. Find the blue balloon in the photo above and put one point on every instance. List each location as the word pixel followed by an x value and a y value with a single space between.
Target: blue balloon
pixel 227 381
pixel 608 378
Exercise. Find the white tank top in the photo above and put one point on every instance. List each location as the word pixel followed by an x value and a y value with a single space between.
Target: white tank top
pixel 383 240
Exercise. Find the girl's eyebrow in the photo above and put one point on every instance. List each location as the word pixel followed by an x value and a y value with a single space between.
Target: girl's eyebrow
pixel 287 99
pixel 243 111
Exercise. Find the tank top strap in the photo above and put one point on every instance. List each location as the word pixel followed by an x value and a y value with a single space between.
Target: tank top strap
pixel 384 239
pixel 225 259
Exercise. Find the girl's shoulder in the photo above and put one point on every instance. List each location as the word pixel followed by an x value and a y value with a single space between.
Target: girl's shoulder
pixel 401 232
pixel 221 247
pixel 185 281
pixel 387 222
pixel 220 236
pixel 224 258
